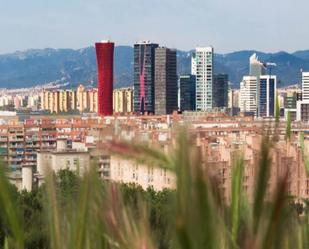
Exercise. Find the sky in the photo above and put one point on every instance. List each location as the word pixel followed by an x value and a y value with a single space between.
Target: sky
pixel 227 25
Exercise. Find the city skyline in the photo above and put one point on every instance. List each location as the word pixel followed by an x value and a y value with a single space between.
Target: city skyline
pixel 39 25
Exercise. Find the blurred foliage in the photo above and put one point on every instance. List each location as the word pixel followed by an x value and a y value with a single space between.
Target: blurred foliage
pixel 70 211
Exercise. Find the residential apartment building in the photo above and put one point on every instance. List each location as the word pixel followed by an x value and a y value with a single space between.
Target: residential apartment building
pixel 204 78
pixel 302 113
pixel 63 101
pixel 248 95
pixel 123 100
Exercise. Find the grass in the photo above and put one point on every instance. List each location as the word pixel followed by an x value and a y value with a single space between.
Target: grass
pixel 89 214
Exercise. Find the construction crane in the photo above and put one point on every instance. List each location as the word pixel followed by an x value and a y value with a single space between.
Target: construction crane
pixel 270 65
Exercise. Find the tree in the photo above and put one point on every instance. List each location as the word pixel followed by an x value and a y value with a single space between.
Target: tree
pixel 277 110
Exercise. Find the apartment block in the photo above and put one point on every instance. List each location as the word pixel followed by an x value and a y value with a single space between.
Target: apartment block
pixel 123 100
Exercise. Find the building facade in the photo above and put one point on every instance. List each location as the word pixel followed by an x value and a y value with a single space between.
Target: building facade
pixel 105 63
pixel 303 104
pixel 144 74
pixel 247 98
pixel 257 68
pixel 65 101
pixel 267 95
pixel 123 100
pixel 193 63
pixel 204 78
pixel 220 91
pixel 166 88
pixel 187 92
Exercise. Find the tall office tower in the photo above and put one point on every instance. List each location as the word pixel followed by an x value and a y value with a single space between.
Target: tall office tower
pixel 305 85
pixel 187 92
pixel 204 78
pixel 105 62
pixel 144 73
pixel 193 64
pixel 257 68
pixel 302 112
pixel 166 85
pixel 267 91
pixel 220 90
pixel 247 98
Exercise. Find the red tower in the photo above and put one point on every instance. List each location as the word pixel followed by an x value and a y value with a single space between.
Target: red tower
pixel 105 62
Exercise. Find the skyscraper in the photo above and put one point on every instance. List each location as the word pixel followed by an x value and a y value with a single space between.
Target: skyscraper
pixel 257 68
pixel 302 112
pixel 144 73
pixel 267 95
pixel 105 62
pixel 204 78
pixel 166 89
pixel 305 85
pixel 220 90
pixel 187 92
pixel 247 99
pixel 193 64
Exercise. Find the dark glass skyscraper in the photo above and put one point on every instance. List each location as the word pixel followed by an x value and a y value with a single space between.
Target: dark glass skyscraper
pixel 166 89
pixel 267 89
pixel 105 62
pixel 220 90
pixel 144 73
pixel 187 92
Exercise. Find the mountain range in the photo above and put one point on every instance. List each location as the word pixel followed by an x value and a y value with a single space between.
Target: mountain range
pixel 39 66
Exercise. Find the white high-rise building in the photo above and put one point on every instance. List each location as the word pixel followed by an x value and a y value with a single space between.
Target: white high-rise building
pixel 193 64
pixel 305 86
pixel 247 98
pixel 302 107
pixel 257 69
pixel 204 78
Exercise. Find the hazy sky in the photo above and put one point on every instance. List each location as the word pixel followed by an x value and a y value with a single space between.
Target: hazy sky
pixel 228 25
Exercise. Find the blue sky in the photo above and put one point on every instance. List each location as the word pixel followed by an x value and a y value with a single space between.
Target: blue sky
pixel 228 25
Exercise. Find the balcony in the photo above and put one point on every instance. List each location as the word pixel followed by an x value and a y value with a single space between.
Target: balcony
pixel 49 138
pixel 16 159
pixel 29 164
pixel 32 145
pixel 16 146
pixel 12 139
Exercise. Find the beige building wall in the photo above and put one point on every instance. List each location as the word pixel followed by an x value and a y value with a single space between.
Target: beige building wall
pixel 126 171
pixel 63 101
pixel 93 100
pixel 71 99
pixel 80 98
pixel 123 100
pixel 56 161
